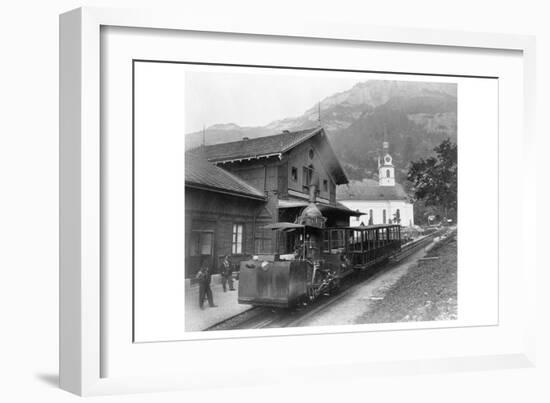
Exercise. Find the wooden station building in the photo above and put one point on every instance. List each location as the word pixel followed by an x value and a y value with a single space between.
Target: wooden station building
pixel 233 190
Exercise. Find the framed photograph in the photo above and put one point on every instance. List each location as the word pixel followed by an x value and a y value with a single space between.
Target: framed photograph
pixel 327 199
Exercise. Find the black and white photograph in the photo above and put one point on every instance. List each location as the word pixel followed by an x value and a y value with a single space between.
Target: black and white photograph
pixel 243 201
pixel 270 200
pixel 318 198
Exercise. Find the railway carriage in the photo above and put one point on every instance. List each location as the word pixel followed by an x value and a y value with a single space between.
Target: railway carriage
pixel 311 260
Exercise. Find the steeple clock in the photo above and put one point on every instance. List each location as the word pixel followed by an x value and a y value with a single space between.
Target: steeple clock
pixel 386 171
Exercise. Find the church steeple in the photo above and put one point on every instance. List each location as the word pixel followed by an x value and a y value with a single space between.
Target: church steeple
pixel 386 171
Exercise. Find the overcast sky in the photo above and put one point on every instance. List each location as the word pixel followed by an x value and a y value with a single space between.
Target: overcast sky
pixel 256 97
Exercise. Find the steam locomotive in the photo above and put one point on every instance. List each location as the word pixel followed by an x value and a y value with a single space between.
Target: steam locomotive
pixel 314 260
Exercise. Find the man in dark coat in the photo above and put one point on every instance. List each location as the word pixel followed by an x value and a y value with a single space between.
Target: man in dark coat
pixel 227 274
pixel 204 276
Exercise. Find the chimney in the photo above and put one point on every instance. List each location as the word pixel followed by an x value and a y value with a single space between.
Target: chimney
pixel 312 193
pixel 313 187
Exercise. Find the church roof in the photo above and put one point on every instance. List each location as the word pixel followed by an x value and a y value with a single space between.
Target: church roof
pixel 201 174
pixel 368 189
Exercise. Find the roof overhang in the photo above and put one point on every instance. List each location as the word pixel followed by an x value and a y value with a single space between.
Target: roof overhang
pixel 322 207
pixel 339 209
pixel 245 158
pixel 292 203
pixel 284 226
pixel 198 186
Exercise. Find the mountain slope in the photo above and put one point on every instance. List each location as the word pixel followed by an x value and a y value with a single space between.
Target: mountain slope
pixel 413 116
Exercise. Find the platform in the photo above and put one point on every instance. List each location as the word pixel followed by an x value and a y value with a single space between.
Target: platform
pixel 197 319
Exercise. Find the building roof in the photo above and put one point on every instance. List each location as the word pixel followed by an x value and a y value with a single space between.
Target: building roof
pixel 369 189
pixel 269 146
pixel 258 147
pixel 201 174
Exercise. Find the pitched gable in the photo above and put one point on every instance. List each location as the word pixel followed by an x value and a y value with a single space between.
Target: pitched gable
pixel 276 145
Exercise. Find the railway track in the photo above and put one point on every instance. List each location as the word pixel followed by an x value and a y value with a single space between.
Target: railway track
pixel 264 317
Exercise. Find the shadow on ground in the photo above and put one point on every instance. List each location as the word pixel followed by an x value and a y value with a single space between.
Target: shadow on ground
pixel 49 379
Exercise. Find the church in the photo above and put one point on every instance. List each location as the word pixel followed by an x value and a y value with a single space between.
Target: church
pixel 381 202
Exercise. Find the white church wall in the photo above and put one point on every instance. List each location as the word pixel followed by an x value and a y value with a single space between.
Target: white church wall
pixel 382 211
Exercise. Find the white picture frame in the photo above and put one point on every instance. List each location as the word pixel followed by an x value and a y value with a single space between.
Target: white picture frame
pixel 81 306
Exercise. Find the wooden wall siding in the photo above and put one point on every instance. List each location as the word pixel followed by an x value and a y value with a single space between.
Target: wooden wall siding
pixel 264 238
pixel 218 212
pixel 332 191
pixel 262 173
pixel 283 177
pixel 299 157
pixel 205 201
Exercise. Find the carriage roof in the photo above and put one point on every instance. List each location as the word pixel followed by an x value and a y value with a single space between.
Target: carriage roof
pixel 365 227
pixel 287 226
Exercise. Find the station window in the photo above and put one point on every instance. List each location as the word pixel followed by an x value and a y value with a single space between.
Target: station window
pixel 325 185
pixel 237 239
pixel 384 216
pixel 307 175
pixel 387 173
pixel 201 243
pixel 294 174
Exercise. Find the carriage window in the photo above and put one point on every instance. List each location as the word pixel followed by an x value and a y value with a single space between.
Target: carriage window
pixel 337 241
pixel 357 240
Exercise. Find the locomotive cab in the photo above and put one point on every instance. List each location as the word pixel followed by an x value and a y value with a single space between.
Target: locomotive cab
pixel 281 279
pixel 298 273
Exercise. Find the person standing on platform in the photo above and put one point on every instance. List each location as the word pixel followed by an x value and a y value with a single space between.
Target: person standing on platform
pixel 227 274
pixel 205 277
